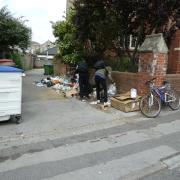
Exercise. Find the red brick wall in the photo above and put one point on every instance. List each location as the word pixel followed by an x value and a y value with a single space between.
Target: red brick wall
pixel 145 62
pixel 125 81
pixel 160 68
pixel 174 80
pixel 174 54
pixel 153 65
pixel 150 65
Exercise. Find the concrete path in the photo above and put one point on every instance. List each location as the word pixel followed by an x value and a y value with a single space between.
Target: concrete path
pixel 47 115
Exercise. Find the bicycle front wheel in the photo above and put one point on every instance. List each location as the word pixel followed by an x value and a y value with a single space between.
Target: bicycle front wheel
pixel 150 105
pixel 175 103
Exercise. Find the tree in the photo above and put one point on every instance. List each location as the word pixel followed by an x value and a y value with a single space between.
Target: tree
pixel 109 23
pixel 70 49
pixel 145 17
pixel 95 24
pixel 14 33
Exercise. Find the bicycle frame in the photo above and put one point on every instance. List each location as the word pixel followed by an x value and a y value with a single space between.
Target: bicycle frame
pixel 162 94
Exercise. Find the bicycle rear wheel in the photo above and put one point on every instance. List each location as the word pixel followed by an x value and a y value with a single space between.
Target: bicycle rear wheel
pixel 150 106
pixel 175 104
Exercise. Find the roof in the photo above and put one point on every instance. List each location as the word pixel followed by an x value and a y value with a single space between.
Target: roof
pixel 51 51
pixel 34 43
pixel 9 69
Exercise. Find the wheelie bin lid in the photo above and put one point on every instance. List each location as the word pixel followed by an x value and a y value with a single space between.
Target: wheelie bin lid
pixel 9 69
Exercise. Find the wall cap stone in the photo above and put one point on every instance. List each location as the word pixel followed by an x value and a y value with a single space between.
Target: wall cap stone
pixel 155 43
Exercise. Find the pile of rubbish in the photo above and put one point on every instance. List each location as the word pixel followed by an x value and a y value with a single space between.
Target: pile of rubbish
pixel 65 84
pixel 69 86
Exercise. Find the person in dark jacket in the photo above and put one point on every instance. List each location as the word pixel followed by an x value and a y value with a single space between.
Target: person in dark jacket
pixel 101 74
pixel 82 71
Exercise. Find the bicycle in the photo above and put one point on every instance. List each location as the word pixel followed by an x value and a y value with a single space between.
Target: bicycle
pixel 150 103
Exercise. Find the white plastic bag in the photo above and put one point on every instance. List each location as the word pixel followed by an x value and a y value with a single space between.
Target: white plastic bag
pixel 112 90
pixel 133 93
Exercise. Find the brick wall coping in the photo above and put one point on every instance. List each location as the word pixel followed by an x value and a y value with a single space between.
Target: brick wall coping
pixel 145 51
pixel 126 73
pixel 155 43
pixel 173 75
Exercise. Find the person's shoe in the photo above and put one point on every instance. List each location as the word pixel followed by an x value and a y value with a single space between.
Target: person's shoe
pixel 83 100
pixel 95 102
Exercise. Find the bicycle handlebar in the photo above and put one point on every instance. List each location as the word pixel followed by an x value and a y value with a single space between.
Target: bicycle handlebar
pixel 149 81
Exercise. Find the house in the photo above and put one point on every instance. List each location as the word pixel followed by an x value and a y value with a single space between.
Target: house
pixel 46 45
pixel 45 57
pixel 174 54
pixel 48 53
pixel 34 47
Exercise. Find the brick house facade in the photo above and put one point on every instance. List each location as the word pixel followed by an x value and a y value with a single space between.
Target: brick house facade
pixel 174 54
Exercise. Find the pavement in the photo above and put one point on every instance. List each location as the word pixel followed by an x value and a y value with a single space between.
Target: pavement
pixel 47 115
pixel 66 139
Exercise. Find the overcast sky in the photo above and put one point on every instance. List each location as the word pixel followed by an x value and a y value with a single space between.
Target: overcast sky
pixel 39 13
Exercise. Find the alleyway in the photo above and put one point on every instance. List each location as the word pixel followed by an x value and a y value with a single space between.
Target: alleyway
pixel 65 139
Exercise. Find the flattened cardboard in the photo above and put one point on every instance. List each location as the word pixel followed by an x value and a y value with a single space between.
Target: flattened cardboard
pixel 125 103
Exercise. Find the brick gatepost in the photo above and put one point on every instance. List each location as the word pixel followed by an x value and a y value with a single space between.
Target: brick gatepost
pixel 153 59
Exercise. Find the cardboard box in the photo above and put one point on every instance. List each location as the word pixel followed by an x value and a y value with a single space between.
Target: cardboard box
pixel 125 103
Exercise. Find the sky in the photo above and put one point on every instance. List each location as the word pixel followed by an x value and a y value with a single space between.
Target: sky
pixel 39 14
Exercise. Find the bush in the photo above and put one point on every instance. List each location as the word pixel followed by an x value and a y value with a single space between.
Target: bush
pixel 17 59
pixel 122 64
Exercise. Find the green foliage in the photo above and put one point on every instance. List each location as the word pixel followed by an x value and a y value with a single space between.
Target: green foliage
pixel 123 64
pixel 13 32
pixel 71 58
pixel 96 23
pixel 17 59
pixel 107 23
pixel 70 49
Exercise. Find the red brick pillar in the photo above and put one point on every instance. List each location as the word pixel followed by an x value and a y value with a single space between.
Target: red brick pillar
pixel 152 61
pixel 160 67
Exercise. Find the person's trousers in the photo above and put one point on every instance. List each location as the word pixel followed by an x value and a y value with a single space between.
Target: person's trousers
pixel 100 82
pixel 83 84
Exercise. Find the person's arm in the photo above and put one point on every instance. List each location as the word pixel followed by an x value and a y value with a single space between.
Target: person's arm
pixel 109 74
pixel 110 77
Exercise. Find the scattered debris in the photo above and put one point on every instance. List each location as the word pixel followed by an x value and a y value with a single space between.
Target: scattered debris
pixel 68 86
pixel 104 106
